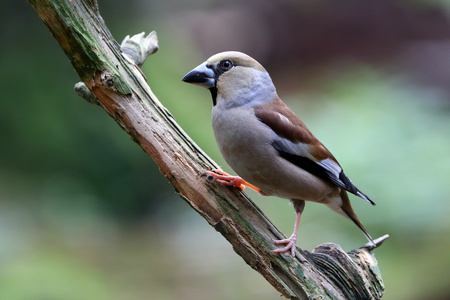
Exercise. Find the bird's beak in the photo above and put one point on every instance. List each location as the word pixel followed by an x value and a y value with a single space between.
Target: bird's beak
pixel 202 76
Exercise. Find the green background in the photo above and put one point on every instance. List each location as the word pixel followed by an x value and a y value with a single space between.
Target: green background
pixel 85 213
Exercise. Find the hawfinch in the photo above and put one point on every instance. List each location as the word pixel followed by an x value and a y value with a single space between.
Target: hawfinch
pixel 266 144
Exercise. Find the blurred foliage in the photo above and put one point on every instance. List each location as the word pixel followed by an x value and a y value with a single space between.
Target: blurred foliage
pixel 85 213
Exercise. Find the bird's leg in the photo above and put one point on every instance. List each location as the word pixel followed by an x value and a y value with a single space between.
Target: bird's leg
pixel 226 179
pixel 291 242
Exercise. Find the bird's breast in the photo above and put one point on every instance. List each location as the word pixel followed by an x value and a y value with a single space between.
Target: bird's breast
pixel 242 139
pixel 246 145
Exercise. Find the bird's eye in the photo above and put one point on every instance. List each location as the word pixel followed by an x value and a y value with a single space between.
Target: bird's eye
pixel 226 64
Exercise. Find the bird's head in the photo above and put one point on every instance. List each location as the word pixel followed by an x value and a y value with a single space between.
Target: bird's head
pixel 233 78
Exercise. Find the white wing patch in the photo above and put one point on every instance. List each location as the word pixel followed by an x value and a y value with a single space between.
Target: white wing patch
pixel 284 119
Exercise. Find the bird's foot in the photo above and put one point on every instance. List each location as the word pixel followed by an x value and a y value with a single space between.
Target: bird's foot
pixel 225 178
pixel 229 180
pixel 291 245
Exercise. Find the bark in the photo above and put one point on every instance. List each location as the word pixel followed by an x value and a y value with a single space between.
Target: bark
pixel 112 79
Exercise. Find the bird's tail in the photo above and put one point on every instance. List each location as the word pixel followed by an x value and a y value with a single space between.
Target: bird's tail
pixel 364 196
pixel 349 213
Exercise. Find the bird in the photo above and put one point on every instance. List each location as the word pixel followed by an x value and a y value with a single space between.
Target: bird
pixel 267 145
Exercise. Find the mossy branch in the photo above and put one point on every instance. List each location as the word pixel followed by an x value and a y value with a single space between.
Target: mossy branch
pixel 113 80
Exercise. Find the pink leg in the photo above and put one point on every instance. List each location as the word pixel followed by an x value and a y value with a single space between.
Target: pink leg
pixel 226 179
pixel 292 241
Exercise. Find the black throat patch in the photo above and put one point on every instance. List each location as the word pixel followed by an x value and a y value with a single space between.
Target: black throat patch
pixel 213 91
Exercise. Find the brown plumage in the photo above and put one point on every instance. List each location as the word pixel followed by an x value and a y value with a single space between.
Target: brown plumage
pixel 291 127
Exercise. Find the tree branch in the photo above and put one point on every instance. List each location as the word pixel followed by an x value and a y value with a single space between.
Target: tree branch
pixel 112 74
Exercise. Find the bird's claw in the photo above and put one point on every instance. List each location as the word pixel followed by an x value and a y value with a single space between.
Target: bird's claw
pixel 291 245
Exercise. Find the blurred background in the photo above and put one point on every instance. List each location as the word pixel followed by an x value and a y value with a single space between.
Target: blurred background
pixel 85 213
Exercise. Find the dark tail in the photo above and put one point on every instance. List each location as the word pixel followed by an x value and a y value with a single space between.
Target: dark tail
pixel 347 208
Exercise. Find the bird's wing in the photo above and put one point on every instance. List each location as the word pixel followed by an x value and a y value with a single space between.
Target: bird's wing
pixel 295 143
